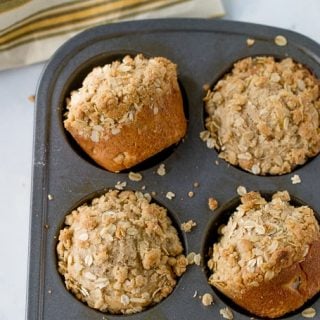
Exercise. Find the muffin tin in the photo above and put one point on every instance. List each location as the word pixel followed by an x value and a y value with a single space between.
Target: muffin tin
pixel 64 177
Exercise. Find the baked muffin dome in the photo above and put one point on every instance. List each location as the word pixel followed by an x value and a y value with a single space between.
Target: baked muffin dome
pixel 268 257
pixel 126 112
pixel 121 253
pixel 264 115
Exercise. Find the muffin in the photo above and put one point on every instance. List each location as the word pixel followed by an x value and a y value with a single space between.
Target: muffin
pixel 267 259
pixel 126 112
pixel 263 116
pixel 120 253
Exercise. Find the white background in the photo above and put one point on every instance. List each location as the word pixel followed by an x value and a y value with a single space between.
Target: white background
pixel 16 129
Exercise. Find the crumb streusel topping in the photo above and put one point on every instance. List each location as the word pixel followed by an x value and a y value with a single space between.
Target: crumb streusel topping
pixel 264 116
pixel 112 95
pixel 120 253
pixel 260 239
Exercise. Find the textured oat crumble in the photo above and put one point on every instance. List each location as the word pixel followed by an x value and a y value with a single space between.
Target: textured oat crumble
pixel 120 253
pixel 256 235
pixel 264 116
pixel 111 96
pixel 188 226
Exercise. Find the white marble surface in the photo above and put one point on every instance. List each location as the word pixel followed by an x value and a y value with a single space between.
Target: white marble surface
pixel 16 128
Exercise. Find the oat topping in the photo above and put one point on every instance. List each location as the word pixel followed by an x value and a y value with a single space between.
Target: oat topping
pixel 213 204
pixel 226 313
pixel 133 176
pixel 112 95
pixel 309 313
pixel 161 171
pixel 250 42
pixel 120 253
pixel 207 299
pixel 188 226
pixel 190 194
pixel 170 195
pixel 280 41
pixel 295 179
pixel 120 185
pixel 50 196
pixel 195 294
pixel 264 116
pixel 196 184
pixel 256 236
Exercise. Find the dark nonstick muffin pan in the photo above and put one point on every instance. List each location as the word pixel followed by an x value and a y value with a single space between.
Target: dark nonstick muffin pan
pixel 64 177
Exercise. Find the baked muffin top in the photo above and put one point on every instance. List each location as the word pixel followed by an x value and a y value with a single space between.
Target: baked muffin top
pixel 264 115
pixel 120 253
pixel 260 239
pixel 112 95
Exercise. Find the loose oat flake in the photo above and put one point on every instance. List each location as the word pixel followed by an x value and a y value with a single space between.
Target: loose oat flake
pixel 120 185
pixel 190 194
pixel 161 171
pixel 50 197
pixel 190 258
pixel 207 299
pixel 280 41
pixel 133 176
pixel 197 259
pixel 309 313
pixel 295 179
pixel 170 195
pixel 226 313
pixel 250 42
pixel 187 226
pixel 241 190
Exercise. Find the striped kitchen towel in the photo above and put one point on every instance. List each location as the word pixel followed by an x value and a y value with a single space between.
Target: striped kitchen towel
pixel 31 30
